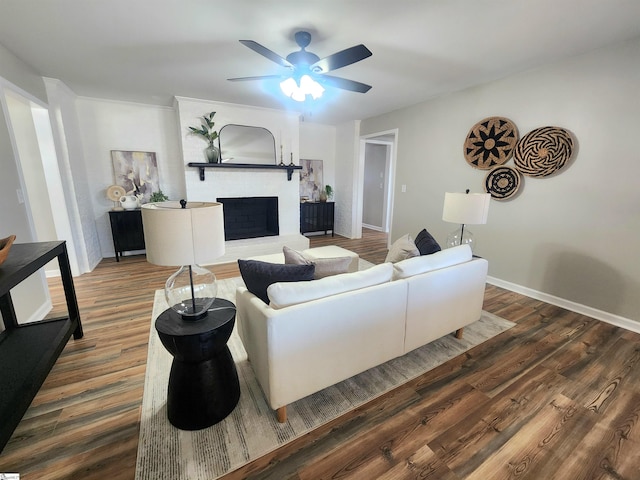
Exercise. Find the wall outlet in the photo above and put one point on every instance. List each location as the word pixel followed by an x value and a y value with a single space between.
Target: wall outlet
pixel 404 189
pixel 20 196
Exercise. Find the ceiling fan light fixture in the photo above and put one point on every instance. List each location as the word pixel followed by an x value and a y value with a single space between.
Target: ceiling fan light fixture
pixel 308 86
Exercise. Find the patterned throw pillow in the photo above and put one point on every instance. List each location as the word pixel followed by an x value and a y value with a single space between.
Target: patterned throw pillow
pixel 259 275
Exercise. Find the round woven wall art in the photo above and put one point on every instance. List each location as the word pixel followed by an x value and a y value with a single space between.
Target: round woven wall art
pixel 502 182
pixel 490 142
pixel 543 151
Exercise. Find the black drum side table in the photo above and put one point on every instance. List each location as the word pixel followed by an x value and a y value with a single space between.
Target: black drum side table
pixel 203 383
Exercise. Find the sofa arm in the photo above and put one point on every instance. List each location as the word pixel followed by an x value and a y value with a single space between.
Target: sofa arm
pixel 251 319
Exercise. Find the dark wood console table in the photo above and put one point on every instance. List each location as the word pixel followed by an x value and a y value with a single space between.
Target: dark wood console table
pixel 28 352
pixel 316 217
pixel 126 231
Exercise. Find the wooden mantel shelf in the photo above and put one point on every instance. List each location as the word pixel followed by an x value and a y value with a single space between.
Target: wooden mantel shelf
pixel 203 166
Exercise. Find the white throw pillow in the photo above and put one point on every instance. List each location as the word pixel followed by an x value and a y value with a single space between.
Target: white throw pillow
pixel 285 294
pixel 325 267
pixel 425 263
pixel 402 248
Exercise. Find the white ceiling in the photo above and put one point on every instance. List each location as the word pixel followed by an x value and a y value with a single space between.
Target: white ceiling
pixel 151 50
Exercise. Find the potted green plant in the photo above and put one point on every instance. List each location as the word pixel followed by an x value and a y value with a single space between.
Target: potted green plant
pixel 207 132
pixel 158 197
pixel 329 191
pixel 326 193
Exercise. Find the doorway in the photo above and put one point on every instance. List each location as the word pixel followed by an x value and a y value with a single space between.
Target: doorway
pixel 41 186
pixel 377 164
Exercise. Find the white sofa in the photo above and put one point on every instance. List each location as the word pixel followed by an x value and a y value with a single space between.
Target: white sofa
pixel 317 333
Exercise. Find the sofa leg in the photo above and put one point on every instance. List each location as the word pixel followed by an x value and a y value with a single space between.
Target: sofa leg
pixel 459 332
pixel 281 413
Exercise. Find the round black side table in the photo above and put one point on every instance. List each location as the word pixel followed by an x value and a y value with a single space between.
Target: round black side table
pixel 203 383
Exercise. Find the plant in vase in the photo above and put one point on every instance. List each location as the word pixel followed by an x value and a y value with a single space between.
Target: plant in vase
pixel 326 193
pixel 207 132
pixel 158 197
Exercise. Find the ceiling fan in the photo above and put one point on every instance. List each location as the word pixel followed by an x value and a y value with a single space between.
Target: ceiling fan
pixel 307 68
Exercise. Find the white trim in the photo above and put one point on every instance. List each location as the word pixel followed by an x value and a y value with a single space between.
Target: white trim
pixel 4 83
pixel 39 314
pixel 607 317
pixel 391 180
pixel 372 227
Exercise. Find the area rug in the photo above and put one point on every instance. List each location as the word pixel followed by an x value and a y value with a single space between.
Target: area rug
pixel 252 429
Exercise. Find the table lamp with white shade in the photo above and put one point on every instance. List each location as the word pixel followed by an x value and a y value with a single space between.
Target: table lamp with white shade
pixel 187 235
pixel 465 209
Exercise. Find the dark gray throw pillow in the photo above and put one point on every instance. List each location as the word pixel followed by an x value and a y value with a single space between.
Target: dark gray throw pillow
pixel 259 275
pixel 426 243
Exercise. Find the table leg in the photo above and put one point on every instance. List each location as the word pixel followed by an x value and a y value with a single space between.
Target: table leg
pixel 202 394
pixel 70 293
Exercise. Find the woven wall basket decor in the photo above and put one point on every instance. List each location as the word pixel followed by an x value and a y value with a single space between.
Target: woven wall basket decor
pixel 490 142
pixel 502 182
pixel 543 151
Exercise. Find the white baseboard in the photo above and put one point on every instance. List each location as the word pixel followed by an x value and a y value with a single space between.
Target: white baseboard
pixel 607 317
pixel 40 313
pixel 372 227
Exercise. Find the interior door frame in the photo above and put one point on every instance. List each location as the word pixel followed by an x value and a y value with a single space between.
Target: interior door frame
pixel 390 138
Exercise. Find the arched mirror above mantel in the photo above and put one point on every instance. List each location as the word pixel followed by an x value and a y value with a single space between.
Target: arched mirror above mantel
pixel 243 144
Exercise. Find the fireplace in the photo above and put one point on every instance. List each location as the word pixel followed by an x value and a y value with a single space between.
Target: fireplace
pixel 250 217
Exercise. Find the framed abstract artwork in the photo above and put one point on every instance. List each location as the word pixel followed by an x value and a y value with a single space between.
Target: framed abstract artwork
pixel 310 180
pixel 136 172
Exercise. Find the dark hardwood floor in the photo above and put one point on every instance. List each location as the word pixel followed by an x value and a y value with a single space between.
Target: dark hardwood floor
pixel 555 397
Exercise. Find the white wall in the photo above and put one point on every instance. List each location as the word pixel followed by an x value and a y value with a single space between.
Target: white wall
pixel 15 71
pixel 318 142
pixel 72 169
pixel 26 142
pixel 107 125
pixel 573 236
pixel 348 182
pixel 31 299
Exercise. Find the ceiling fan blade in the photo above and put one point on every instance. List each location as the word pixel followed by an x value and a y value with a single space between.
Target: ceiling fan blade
pixel 265 52
pixel 262 77
pixel 341 59
pixel 343 83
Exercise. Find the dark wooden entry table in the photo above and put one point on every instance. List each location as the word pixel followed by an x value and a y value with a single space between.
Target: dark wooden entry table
pixel 203 383
pixel 28 351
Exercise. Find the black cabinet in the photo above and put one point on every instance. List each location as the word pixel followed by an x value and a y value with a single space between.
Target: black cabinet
pixel 28 351
pixel 316 217
pixel 126 230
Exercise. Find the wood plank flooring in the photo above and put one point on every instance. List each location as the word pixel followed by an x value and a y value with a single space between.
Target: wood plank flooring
pixel 555 397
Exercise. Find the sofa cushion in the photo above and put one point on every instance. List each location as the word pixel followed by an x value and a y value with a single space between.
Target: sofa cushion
pixel 426 243
pixel 401 249
pixel 325 267
pixel 425 263
pixel 287 294
pixel 259 275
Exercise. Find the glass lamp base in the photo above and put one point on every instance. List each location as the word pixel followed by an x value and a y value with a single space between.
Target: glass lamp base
pixel 191 291
pixel 459 237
